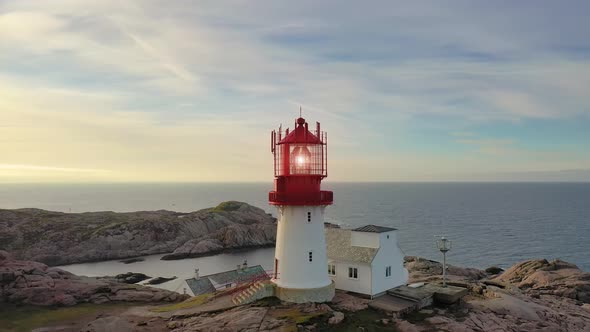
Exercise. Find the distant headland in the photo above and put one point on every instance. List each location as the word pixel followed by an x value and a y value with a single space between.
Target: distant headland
pixel 57 238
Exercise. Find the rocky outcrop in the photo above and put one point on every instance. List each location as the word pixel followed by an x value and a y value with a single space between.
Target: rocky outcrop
pixel 236 236
pixel 534 295
pixel 541 277
pixel 57 238
pixel 131 277
pixel 159 280
pixel 27 282
pixel 424 270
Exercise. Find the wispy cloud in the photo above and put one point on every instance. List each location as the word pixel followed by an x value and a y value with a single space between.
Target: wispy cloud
pixel 169 90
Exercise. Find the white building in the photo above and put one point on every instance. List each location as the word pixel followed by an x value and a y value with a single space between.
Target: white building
pixel 365 260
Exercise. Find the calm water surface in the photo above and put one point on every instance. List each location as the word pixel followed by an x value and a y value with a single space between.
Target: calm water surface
pixel 489 223
pixel 182 269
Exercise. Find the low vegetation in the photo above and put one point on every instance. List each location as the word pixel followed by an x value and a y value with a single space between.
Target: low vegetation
pixel 27 318
pixel 227 206
pixel 190 303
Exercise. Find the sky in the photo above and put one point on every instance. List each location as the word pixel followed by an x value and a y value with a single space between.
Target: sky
pixel 188 91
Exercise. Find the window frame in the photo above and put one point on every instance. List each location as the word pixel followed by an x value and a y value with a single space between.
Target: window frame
pixel 388 271
pixel 353 273
pixel 332 270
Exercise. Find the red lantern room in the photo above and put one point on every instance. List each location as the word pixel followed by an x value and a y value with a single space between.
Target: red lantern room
pixel 300 164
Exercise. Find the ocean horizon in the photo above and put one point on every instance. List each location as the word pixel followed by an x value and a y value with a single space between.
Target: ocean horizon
pixel 490 223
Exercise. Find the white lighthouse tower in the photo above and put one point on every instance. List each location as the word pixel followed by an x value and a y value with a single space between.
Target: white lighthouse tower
pixel 301 264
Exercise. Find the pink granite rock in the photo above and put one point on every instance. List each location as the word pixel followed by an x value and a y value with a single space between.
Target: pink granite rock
pixel 557 278
pixel 26 282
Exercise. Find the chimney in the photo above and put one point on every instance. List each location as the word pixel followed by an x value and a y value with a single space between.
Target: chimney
pixel 197 274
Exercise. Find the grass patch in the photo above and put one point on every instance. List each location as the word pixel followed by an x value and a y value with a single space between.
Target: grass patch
pixel 294 315
pixel 27 318
pixel 268 302
pixel 227 206
pixel 190 303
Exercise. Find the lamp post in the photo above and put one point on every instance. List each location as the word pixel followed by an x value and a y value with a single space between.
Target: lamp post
pixel 444 245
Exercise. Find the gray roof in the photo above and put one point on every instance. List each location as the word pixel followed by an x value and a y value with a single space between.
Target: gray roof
pixel 205 284
pixel 340 248
pixel 235 276
pixel 374 229
pixel 200 286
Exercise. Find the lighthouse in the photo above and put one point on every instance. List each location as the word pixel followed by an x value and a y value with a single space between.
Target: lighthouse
pixel 300 164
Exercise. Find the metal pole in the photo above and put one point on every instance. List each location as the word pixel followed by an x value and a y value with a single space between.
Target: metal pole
pixel 444 269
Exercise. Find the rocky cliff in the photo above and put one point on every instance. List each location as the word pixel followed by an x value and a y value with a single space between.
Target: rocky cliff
pixel 57 238
pixel 33 283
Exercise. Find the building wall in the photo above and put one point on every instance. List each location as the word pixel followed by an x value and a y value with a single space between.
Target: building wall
pixel 364 239
pixel 389 254
pixel 296 237
pixel 361 285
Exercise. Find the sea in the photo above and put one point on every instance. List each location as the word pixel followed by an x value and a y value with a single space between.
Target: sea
pixel 489 224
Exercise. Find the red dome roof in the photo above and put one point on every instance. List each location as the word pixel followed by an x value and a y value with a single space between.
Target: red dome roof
pixel 301 134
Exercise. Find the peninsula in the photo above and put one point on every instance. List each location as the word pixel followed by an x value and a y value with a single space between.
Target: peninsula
pixel 58 238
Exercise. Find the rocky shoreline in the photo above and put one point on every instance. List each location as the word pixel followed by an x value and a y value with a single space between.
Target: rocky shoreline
pixel 57 238
pixel 534 295
pixel 34 283
pixel 182 255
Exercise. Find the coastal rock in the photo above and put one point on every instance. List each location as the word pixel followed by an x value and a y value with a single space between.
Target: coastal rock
pixel 109 324
pixel 347 302
pixel 234 236
pixel 541 277
pixel 132 260
pixel 239 319
pixel 424 270
pixel 131 277
pixel 337 318
pixel 159 280
pixel 494 270
pixel 57 238
pixel 37 284
pixel 195 248
pixel 4 255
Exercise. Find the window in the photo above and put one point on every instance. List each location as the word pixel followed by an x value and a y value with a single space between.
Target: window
pixel 388 271
pixel 332 269
pixel 309 217
pixel 310 257
pixel 353 273
pixel 388 236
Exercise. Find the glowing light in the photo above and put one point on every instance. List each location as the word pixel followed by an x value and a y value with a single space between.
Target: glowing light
pixel 300 160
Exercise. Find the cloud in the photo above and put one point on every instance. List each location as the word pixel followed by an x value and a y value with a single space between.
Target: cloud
pixel 178 91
